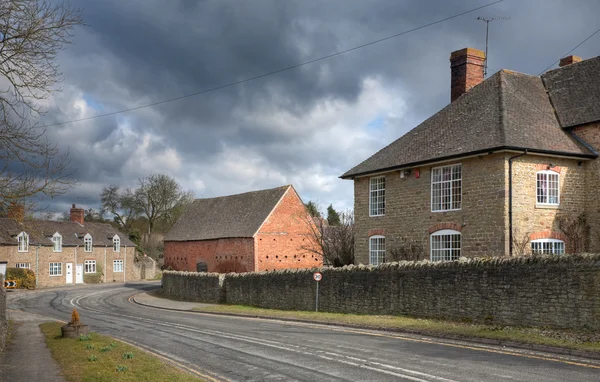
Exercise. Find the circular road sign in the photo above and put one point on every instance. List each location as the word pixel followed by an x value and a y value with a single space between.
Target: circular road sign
pixel 317 276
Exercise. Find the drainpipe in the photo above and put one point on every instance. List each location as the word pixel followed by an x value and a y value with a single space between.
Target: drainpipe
pixel 76 265
pixel 510 208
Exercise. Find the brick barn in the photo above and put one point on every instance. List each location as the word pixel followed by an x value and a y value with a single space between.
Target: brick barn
pixel 249 232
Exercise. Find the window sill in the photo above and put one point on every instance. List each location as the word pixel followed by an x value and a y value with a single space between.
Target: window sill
pixel 55 275
pixel 376 216
pixel 458 209
pixel 548 206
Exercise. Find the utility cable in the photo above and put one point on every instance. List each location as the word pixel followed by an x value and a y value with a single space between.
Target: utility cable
pixel 339 53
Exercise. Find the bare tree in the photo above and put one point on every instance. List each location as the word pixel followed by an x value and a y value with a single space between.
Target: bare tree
pixel 577 231
pixel 335 244
pixel 160 197
pixel 520 244
pixel 407 250
pixel 120 203
pixel 32 33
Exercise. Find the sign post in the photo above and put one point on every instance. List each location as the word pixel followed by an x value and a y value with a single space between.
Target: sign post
pixel 317 276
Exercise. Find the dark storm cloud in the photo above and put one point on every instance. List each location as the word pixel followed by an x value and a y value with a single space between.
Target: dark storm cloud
pixel 307 125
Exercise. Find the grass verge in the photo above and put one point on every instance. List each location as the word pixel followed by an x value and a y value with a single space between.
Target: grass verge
pixel 585 341
pixel 102 358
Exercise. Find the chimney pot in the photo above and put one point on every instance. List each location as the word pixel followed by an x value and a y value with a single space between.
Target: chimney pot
pixel 16 211
pixel 466 67
pixel 569 60
pixel 76 215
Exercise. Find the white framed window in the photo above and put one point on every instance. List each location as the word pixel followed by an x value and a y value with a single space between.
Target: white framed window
pixel 117 266
pixel 87 243
pixel 23 265
pixel 445 245
pixel 446 188
pixel 23 242
pixel 376 250
pixel 55 269
pixel 548 247
pixel 116 244
pixel 377 196
pixel 89 266
pixel 57 240
pixel 547 188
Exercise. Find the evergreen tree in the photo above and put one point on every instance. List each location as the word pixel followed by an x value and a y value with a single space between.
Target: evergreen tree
pixel 333 217
pixel 313 210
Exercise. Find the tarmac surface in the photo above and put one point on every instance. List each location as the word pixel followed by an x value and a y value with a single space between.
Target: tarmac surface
pixel 222 348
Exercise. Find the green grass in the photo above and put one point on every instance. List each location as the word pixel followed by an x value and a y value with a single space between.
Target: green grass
pixel 85 361
pixel 587 341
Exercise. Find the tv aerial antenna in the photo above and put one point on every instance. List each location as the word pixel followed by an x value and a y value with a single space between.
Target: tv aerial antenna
pixel 487 28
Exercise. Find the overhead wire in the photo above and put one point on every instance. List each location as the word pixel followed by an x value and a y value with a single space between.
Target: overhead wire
pixel 288 68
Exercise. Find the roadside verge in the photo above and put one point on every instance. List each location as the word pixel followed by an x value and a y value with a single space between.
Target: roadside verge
pixel 571 343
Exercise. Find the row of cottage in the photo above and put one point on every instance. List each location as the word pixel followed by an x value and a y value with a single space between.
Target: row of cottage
pixel 62 253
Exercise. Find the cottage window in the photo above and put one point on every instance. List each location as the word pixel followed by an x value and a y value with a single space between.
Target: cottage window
pixel 87 243
pixel 57 240
pixel 23 242
pixel 117 266
pixel 445 245
pixel 377 196
pixel 446 188
pixel 376 250
pixel 116 244
pixel 548 247
pixel 23 265
pixel 547 188
pixel 90 266
pixel 55 269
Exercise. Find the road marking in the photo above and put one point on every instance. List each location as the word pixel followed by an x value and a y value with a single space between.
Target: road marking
pixel 400 337
pixel 360 363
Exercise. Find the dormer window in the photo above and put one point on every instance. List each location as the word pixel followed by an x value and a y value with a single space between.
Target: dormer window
pixel 87 243
pixel 57 240
pixel 116 244
pixel 23 240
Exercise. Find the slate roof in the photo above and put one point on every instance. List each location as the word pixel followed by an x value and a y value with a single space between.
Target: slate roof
pixel 230 216
pixel 575 92
pixel 41 232
pixel 509 110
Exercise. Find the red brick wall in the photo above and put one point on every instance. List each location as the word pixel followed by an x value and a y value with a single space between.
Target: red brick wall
pixel 221 255
pixel 280 240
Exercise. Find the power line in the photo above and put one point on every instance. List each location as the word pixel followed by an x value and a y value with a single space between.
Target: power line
pixel 339 53
pixel 578 45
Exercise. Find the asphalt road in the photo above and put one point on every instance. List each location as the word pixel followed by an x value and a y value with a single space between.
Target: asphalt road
pixel 246 349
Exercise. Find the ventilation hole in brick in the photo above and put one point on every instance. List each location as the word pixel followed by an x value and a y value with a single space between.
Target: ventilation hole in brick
pixel 273 239
pixel 267 256
pixel 303 255
pixel 294 256
pixel 277 256
pixel 286 256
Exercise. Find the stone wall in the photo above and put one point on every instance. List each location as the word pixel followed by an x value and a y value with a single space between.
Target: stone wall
pixel 3 318
pixel 561 292
pixel 192 286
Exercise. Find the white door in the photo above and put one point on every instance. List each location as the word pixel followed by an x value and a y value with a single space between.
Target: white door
pixel 69 273
pixel 3 269
pixel 79 274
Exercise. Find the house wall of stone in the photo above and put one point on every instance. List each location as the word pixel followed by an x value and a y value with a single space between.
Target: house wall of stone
pixel 220 255
pixel 39 259
pixel 533 221
pixel 3 317
pixel 481 220
pixel 590 133
pixel 283 239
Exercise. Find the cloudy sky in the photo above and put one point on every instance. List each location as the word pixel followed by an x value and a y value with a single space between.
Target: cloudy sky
pixel 305 126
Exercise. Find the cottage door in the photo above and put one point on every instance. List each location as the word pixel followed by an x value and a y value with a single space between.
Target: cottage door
pixel 69 273
pixel 79 274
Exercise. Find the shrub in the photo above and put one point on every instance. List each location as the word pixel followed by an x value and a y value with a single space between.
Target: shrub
pixel 25 278
pixel 92 358
pixel 92 278
pixel 121 368
pixel 128 355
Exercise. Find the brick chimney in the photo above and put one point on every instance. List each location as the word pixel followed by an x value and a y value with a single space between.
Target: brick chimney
pixel 16 211
pixel 76 214
pixel 466 67
pixel 569 60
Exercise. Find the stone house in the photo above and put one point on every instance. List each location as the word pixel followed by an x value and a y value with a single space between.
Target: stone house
pixel 62 253
pixel 249 232
pixel 508 168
